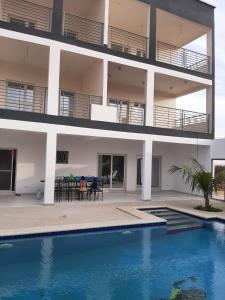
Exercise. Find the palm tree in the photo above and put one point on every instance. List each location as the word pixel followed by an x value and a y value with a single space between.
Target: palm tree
pixel 197 178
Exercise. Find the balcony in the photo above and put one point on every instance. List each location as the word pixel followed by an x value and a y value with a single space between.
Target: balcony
pixel 183 58
pixel 128 112
pixel 27 14
pixel 77 105
pixel 128 42
pixel 83 29
pixel 165 117
pixel 22 97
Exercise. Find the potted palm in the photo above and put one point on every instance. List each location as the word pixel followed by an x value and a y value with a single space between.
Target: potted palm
pixel 198 179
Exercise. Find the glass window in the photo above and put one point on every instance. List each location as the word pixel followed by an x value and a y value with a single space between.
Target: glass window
pixel 19 96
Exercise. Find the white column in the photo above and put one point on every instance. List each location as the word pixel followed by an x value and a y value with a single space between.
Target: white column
pixel 147 170
pixel 53 80
pixel 209 103
pixel 105 82
pixel 149 97
pixel 0 9
pixel 131 172
pixel 50 165
pixel 209 45
pixel 106 22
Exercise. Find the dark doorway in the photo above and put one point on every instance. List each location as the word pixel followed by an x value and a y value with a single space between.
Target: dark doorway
pixel 7 169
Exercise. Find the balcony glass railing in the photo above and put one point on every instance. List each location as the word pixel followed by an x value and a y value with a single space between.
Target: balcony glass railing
pixel 77 105
pixel 83 29
pixel 26 14
pixel 128 42
pixel 165 117
pixel 128 112
pixel 22 97
pixel 183 58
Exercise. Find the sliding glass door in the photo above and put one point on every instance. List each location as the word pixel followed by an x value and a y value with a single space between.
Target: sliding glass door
pixel 111 169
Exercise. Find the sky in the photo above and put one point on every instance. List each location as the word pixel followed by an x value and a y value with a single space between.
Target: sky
pixel 196 101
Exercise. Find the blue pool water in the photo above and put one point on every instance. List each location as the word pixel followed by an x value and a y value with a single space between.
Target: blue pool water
pixel 132 264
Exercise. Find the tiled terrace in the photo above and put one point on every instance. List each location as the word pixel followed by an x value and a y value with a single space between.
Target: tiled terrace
pixel 117 209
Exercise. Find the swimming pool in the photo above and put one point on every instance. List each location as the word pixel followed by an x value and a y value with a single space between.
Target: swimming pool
pixel 133 264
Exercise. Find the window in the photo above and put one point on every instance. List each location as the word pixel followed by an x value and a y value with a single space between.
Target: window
pixel 62 157
pixel 66 103
pixel 19 96
pixel 21 22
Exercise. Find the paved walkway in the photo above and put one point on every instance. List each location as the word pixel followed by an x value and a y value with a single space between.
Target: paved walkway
pixel 116 209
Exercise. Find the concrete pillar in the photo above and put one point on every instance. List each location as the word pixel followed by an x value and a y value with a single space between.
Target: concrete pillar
pixel 105 83
pixel 131 172
pixel 147 170
pixel 209 106
pixel 1 14
pixel 53 80
pixel 149 97
pixel 50 165
pixel 106 23
pixel 209 41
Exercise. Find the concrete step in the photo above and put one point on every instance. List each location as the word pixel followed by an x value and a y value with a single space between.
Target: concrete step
pixel 180 222
pixel 184 227
pixel 165 214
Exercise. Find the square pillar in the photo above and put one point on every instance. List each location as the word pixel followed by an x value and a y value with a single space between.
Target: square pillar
pixel 105 83
pixel 50 166
pixel 106 23
pixel 209 41
pixel 53 80
pixel 209 107
pixel 149 97
pixel 147 170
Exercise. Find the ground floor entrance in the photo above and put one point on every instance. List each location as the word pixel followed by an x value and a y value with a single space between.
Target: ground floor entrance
pixel 124 165
pixel 7 169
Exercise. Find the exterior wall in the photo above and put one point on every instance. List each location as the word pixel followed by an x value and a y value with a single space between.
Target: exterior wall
pixel 218 149
pixel 30 167
pixel 83 158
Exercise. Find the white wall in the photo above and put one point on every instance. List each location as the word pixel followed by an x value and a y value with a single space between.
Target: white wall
pixel 30 158
pixel 83 156
pixel 218 149
pixel 83 153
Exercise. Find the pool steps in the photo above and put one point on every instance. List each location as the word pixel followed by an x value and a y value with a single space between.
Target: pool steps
pixel 177 221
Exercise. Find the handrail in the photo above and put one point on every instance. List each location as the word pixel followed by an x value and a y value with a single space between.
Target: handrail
pixel 183 57
pixel 26 14
pixel 166 117
pixel 22 96
pixel 128 42
pixel 83 29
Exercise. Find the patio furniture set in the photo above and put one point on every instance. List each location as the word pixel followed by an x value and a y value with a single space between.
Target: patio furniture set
pixel 69 188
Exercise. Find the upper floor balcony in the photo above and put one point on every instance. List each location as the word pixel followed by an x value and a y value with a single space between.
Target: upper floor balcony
pixel 178 42
pixel 86 92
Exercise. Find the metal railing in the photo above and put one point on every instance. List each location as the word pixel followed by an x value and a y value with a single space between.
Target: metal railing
pixel 128 112
pixel 165 117
pixel 83 29
pixel 22 97
pixel 183 58
pixel 128 42
pixel 77 105
pixel 26 14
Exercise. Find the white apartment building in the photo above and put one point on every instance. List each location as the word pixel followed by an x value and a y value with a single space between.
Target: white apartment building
pixel 94 88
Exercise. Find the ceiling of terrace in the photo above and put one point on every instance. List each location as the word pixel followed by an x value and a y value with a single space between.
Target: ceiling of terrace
pixel 76 64
pixel 130 15
pixel 172 87
pixel 28 54
pixel 125 75
pixel 177 31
